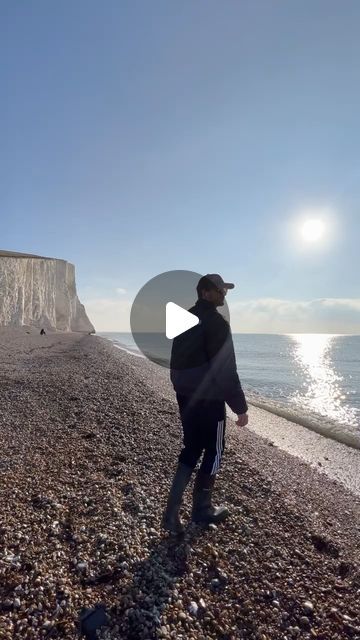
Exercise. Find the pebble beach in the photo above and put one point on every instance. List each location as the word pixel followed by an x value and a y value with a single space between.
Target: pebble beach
pixel 89 439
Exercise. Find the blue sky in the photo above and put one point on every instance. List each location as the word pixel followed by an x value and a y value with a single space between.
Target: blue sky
pixel 140 137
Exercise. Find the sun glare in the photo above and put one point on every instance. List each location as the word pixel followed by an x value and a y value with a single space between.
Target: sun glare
pixel 313 230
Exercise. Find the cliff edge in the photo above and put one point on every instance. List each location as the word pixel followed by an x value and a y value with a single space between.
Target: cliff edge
pixel 40 291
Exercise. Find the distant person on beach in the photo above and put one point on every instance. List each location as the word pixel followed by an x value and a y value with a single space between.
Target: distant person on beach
pixel 204 376
pixel 42 332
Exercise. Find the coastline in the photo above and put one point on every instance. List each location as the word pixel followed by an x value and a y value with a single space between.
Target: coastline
pixel 325 454
pixel 90 437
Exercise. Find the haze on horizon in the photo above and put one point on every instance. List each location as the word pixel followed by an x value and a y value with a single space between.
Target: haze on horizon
pixel 143 137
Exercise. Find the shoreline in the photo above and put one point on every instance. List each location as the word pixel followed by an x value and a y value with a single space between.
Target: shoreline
pixel 90 438
pixel 325 454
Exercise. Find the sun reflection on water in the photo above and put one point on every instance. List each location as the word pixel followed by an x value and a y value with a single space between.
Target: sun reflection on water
pixel 322 389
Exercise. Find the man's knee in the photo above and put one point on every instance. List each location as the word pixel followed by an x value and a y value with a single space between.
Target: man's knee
pixel 211 464
pixel 190 458
pixel 213 458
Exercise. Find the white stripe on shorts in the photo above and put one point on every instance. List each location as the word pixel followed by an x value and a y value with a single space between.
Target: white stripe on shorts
pixel 219 439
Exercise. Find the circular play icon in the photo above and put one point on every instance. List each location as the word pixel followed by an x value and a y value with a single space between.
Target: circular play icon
pixel 164 309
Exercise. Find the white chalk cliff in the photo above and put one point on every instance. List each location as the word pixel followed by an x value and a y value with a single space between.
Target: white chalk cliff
pixel 40 291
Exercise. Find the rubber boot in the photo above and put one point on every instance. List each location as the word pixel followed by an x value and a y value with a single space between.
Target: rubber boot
pixel 203 511
pixel 171 519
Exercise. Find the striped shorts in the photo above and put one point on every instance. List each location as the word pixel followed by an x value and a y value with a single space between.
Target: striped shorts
pixel 203 423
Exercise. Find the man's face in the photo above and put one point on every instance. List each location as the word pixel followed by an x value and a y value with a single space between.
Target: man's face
pixel 216 296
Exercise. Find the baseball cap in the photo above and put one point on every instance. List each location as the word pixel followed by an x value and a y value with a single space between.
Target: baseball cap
pixel 217 281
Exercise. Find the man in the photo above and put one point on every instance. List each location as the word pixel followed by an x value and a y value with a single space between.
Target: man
pixel 204 376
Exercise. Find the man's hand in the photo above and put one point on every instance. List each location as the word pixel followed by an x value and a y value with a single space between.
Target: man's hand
pixel 242 420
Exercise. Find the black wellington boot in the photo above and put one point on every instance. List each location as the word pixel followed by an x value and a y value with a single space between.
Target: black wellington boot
pixel 203 511
pixel 171 519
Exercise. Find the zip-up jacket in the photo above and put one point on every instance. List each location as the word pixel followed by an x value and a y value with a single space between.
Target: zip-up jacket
pixel 203 362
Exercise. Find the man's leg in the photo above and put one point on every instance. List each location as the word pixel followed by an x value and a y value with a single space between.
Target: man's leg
pixel 214 437
pixel 186 463
pixel 191 419
pixel 213 429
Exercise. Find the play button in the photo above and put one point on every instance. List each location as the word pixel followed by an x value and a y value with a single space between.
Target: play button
pixel 178 320
pixel 161 312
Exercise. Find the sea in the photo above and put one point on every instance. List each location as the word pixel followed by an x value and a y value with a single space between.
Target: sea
pixel 310 379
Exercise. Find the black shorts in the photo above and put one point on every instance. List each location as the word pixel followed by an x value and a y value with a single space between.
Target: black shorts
pixel 203 424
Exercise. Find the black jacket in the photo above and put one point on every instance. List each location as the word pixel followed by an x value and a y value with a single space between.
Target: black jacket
pixel 203 360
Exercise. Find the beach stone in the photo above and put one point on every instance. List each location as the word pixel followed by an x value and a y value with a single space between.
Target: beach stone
pixel 47 624
pixel 222 575
pixel 304 621
pixel 91 619
pixel 193 608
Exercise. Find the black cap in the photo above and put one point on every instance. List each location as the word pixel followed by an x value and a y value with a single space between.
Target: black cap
pixel 212 281
pixel 216 280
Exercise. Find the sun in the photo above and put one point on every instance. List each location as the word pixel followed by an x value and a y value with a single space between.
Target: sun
pixel 313 230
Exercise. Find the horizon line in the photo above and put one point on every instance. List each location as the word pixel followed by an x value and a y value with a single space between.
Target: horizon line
pixel 253 333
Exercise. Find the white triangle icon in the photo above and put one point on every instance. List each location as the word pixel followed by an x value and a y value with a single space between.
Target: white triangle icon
pixel 178 320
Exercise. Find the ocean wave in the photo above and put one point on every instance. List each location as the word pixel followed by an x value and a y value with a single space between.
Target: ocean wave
pixel 120 346
pixel 318 424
